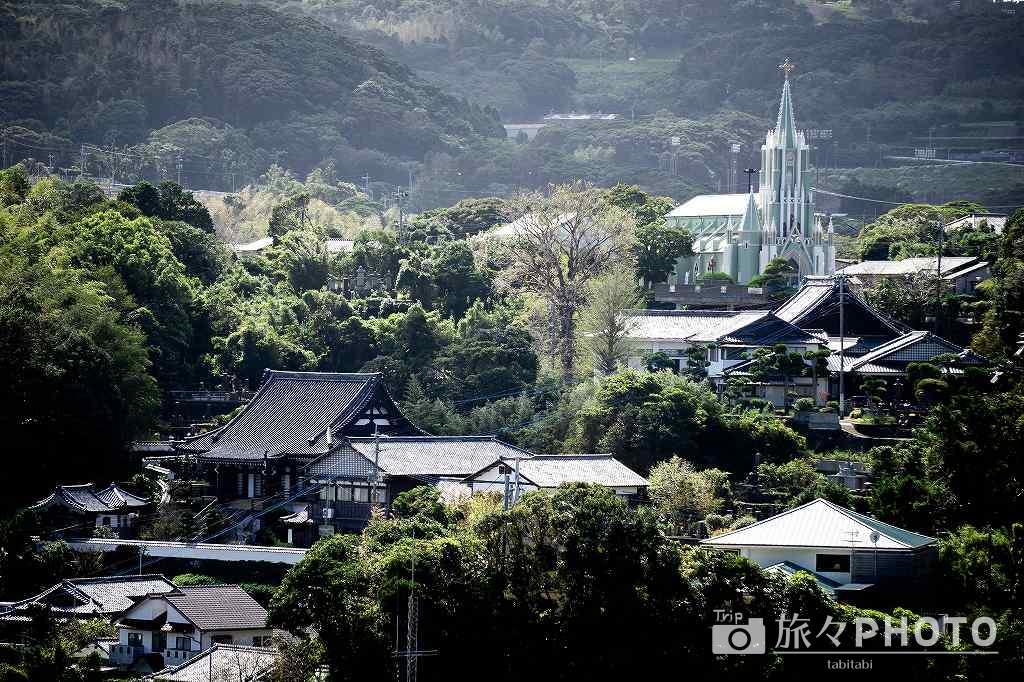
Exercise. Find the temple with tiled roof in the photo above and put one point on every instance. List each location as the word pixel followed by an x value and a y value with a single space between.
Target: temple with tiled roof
pixel 77 507
pixel 292 420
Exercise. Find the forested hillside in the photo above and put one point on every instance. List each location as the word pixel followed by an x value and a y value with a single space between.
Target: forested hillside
pixel 229 87
pixel 234 87
pixel 881 76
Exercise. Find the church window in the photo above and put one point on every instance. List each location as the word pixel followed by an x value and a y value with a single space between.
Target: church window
pixel 711 265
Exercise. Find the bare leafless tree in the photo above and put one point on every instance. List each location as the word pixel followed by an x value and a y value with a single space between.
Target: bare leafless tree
pixel 555 244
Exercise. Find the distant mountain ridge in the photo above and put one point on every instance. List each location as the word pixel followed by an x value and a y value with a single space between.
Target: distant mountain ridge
pixel 111 72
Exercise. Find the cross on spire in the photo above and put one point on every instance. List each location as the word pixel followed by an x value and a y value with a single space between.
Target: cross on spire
pixel 786 67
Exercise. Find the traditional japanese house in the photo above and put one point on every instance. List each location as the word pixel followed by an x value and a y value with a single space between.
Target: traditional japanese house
pixel 345 484
pixel 177 625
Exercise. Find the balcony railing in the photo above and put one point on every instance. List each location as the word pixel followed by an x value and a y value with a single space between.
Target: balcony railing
pixel 177 656
pixel 125 654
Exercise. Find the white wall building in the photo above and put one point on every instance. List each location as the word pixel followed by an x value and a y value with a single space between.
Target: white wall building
pixel 180 624
pixel 844 550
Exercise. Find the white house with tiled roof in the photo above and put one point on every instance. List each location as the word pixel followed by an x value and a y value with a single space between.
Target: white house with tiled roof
pixel 179 624
pixel 840 547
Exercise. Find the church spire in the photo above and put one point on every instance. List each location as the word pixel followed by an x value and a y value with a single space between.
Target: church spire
pixel 785 126
pixel 750 221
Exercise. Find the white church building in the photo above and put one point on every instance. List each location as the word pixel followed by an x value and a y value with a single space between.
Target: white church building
pixel 739 234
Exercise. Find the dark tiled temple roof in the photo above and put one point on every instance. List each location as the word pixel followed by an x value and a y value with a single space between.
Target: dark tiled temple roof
pixel 218 607
pixel 85 498
pixel 917 346
pixel 290 415
pixel 816 304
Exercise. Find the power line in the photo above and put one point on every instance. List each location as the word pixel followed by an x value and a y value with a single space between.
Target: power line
pixel 882 201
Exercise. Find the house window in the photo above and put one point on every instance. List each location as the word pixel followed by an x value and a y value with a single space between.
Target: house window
pixel 360 494
pixel 344 493
pixel 183 643
pixel 222 639
pixel 832 563
pixel 134 639
pixel 106 520
pixel 159 641
pixel 262 641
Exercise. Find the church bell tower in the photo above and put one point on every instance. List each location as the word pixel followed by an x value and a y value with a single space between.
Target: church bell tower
pixel 786 197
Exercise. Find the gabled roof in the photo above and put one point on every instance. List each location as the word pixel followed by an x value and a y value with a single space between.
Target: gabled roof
pixel 918 346
pixel 100 596
pixel 818 300
pixel 965 271
pixel 435 455
pixel 85 498
pixel 550 471
pixel 290 415
pixel 223 662
pixel 715 326
pixel 214 607
pixel 820 523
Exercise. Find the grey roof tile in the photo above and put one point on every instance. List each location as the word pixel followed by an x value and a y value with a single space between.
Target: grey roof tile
pixel 223 662
pixel 85 498
pixel 820 523
pixel 550 471
pixel 715 326
pixel 435 455
pixel 104 595
pixel 219 607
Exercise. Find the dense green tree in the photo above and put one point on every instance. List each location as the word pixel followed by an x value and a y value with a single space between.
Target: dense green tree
pixel 657 248
pixel 1004 320
pixel 254 347
pixel 135 258
pixel 77 373
pixel 458 279
pixel 328 592
pixel 490 353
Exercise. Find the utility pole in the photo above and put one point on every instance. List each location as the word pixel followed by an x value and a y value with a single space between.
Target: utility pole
pixel 938 273
pixel 81 161
pixel 376 464
pixel 399 195
pixel 366 186
pixel 3 134
pixel 751 172
pixel 177 164
pixel 412 652
pixel 842 346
